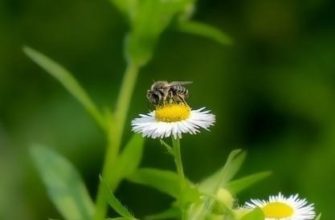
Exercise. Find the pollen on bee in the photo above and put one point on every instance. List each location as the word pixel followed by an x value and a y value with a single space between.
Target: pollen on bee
pixel 172 112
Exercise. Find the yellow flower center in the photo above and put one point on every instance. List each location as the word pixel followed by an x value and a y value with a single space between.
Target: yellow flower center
pixel 172 112
pixel 277 210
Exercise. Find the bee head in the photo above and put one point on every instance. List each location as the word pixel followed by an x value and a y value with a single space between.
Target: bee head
pixel 154 97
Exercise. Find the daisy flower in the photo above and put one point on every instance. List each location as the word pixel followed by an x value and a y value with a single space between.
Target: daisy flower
pixel 282 208
pixel 172 119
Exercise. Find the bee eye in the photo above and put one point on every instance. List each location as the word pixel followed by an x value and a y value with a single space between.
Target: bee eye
pixel 155 98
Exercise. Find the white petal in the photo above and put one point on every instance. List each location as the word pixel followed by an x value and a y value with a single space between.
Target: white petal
pixel 148 126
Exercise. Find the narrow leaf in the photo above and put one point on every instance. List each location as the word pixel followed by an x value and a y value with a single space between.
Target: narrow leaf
pixel 204 30
pixel 162 180
pixel 64 184
pixel 131 156
pixel 255 214
pixel 119 218
pixel 128 160
pixel 167 182
pixel 318 217
pixel 238 185
pixel 67 80
pixel 211 184
pixel 115 203
pixel 127 7
pixel 171 213
pixel 150 19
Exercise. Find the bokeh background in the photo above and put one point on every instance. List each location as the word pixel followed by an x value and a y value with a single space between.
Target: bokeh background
pixel 273 92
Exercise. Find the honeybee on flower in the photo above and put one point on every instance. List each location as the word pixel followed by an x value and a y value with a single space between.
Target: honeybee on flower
pixel 172 115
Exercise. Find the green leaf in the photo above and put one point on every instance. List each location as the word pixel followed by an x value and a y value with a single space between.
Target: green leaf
pixel 150 19
pixel 115 203
pixel 64 184
pixel 318 217
pixel 131 156
pixel 129 159
pixel 167 182
pixel 211 184
pixel 162 180
pixel 238 185
pixel 171 213
pixel 127 7
pixel 119 218
pixel 204 30
pixel 255 214
pixel 67 80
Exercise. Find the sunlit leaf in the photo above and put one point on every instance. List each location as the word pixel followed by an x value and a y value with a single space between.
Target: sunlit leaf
pixel 151 18
pixel 167 182
pixel 255 214
pixel 129 160
pixel 67 80
pixel 127 7
pixel 211 184
pixel 64 184
pixel 131 156
pixel 119 218
pixel 115 203
pixel 244 182
pixel 162 180
pixel 171 213
pixel 204 30
pixel 318 217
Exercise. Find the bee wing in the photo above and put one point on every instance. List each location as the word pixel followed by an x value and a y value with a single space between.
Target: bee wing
pixel 174 83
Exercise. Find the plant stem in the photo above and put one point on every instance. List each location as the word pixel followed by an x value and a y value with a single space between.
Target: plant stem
pixel 180 171
pixel 177 158
pixel 114 137
pixel 124 98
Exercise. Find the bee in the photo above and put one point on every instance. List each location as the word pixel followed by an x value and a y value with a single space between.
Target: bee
pixel 162 92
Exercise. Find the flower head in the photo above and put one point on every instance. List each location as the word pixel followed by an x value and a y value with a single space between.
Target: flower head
pixel 282 208
pixel 172 119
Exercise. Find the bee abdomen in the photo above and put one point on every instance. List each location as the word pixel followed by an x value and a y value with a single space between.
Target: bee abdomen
pixel 179 89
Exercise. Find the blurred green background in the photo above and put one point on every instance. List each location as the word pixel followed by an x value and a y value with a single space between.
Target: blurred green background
pixel 273 93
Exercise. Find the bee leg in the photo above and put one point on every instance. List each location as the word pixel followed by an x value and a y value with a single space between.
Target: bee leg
pixel 179 99
pixel 174 98
pixel 170 97
pixel 183 98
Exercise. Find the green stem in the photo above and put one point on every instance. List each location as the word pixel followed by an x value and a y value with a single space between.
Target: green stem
pixel 114 137
pixel 177 158
pixel 180 171
pixel 124 98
